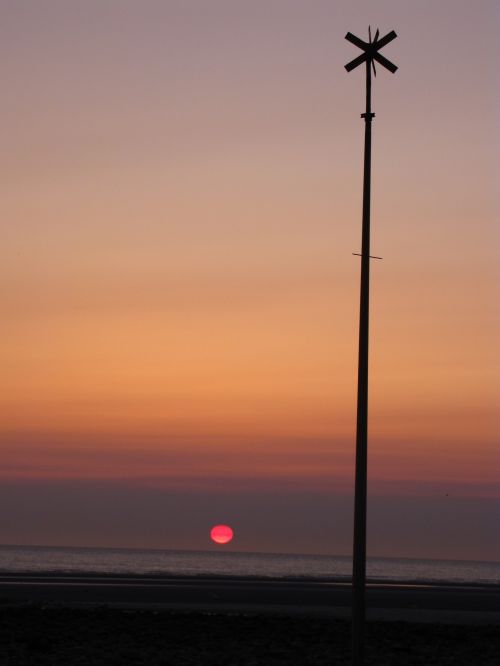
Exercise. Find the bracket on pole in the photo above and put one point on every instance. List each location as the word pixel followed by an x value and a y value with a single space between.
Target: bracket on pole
pixel 358 254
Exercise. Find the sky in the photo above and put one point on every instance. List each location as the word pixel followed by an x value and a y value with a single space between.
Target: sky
pixel 179 203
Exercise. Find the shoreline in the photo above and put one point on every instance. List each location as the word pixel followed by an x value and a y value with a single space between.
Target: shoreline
pixel 64 574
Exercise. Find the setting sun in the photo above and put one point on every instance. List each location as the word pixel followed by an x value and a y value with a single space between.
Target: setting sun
pixel 221 534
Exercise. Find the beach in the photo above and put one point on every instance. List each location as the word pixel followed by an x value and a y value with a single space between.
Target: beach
pixel 34 635
pixel 114 620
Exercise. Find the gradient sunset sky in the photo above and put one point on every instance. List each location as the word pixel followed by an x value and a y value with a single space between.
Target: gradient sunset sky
pixel 180 200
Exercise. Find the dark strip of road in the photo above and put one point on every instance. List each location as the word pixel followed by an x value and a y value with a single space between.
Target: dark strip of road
pixel 223 595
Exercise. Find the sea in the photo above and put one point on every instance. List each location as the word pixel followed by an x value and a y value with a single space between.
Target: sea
pixel 180 563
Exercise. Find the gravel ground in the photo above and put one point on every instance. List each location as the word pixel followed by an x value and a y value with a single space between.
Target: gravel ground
pixel 94 637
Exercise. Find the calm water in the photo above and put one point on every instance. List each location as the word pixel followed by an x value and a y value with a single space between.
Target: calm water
pixel 38 559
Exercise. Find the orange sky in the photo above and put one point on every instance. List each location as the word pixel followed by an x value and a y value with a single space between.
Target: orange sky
pixel 181 195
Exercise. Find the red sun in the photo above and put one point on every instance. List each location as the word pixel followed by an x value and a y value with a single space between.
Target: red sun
pixel 221 534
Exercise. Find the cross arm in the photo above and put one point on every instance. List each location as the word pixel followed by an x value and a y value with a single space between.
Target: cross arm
pixel 357 61
pixel 357 41
pixel 385 40
pixel 383 61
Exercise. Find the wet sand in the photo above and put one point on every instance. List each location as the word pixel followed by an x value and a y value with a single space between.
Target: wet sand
pixel 52 620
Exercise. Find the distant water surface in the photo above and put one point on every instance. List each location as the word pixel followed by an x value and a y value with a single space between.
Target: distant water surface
pixel 40 559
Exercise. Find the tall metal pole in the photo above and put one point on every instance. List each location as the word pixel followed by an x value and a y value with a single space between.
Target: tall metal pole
pixel 370 54
pixel 359 550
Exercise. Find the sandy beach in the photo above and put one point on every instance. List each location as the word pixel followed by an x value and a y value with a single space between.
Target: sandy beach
pixel 109 620
pixel 34 635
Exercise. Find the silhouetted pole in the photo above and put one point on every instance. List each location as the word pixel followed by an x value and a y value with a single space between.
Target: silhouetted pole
pixel 359 547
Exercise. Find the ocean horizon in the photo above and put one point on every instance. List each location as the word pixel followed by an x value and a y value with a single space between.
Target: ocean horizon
pixel 37 559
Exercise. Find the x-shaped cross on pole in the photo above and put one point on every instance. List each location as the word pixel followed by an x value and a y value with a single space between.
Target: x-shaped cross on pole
pixel 371 51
